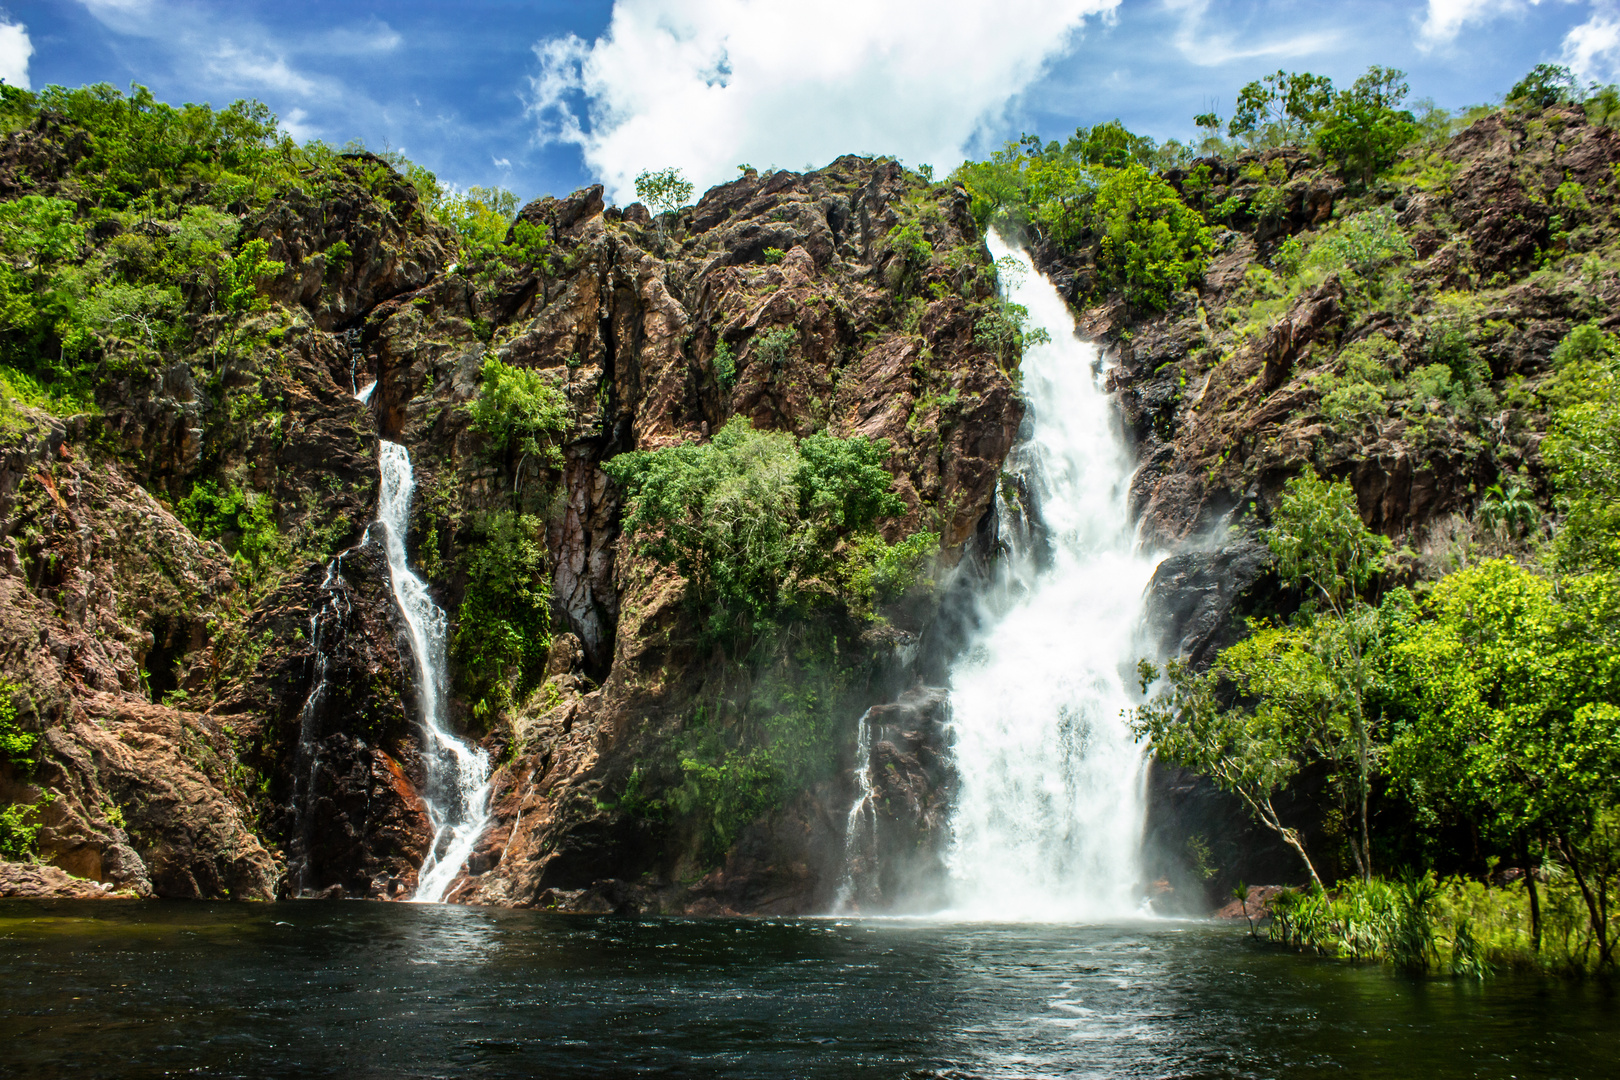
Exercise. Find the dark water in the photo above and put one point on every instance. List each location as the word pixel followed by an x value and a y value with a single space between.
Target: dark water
pixel 373 990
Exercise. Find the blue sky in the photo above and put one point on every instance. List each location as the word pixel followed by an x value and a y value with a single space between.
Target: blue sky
pixel 543 97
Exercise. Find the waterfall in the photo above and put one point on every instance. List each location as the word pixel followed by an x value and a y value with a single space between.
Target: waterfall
pixel 324 622
pixel 457 789
pixel 860 828
pixel 1048 820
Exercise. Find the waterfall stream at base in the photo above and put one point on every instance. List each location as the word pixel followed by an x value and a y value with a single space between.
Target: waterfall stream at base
pixel 324 625
pixel 860 829
pixel 457 788
pixel 1048 818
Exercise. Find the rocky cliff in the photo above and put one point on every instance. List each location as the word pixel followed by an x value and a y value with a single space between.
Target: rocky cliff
pixel 1404 353
pixel 234 716
pixel 209 687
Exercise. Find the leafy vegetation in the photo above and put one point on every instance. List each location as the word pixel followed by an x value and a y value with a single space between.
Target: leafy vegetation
pixel 1098 189
pixel 520 410
pixel 761 524
pixel 241 519
pixel 1491 699
pixel 503 628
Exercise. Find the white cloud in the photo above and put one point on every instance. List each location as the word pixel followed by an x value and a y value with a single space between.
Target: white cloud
pixel 707 84
pixel 296 124
pixel 1445 19
pixel 1201 45
pixel 15 50
pixel 216 53
pixel 1592 49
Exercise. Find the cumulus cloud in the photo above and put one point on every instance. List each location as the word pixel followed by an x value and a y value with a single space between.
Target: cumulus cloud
pixel 706 85
pixel 1445 19
pixel 1592 49
pixel 1201 44
pixel 15 50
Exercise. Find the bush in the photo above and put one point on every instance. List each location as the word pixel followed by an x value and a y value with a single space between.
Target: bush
pixel 1363 244
pixel 725 365
pixel 1153 244
pixel 754 519
pixel 520 410
pixel 16 745
pixel 503 628
pixel 1366 131
pixel 18 836
pixel 242 520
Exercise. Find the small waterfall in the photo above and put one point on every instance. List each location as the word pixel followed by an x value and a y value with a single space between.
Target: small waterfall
pixel 860 828
pixel 1048 820
pixel 457 789
pixel 325 622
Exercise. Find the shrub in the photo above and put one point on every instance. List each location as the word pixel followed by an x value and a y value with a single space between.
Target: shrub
pixel 520 410
pixel 725 365
pixel 19 837
pixel 242 520
pixel 1005 331
pixel 1363 244
pixel 1153 244
pixel 1366 130
pixel 503 628
pixel 16 745
pixel 775 345
pixel 754 519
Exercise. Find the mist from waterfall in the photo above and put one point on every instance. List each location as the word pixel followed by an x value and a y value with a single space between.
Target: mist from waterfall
pixel 1049 815
pixel 457 788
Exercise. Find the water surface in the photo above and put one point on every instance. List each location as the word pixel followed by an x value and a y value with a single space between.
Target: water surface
pixel 383 990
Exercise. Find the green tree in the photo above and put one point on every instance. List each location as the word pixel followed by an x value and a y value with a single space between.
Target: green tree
pixel 1308 692
pixel 1544 85
pixel 521 411
pixel 756 521
pixel 1280 109
pixel 1111 145
pixel 1510 691
pixel 664 191
pixel 503 628
pixel 239 292
pixel 1583 449
pixel 1153 244
pixel 1366 129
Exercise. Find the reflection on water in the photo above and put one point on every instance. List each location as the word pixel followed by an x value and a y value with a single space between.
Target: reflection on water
pixel 372 990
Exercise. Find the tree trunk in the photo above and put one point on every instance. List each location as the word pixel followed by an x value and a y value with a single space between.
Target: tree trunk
pixel 1535 898
pixel 1268 815
pixel 1594 910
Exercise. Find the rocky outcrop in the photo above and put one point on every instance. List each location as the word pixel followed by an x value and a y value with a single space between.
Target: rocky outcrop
pixel 245 727
pixel 1223 394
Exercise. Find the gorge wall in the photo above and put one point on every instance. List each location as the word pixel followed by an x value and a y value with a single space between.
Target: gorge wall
pixel 179 751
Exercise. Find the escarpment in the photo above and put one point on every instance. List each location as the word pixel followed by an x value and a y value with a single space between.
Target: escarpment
pixel 209 690
pixel 1398 337
pixel 211 685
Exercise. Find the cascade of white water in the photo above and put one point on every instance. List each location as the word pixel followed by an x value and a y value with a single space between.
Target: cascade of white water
pixel 457 794
pixel 1048 819
pixel 860 828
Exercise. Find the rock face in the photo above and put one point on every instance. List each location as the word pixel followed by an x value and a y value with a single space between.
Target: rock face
pixel 245 725
pixel 1223 395
pixel 215 726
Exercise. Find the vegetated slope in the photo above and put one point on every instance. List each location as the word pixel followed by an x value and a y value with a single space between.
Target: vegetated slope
pixel 1398 336
pixel 193 303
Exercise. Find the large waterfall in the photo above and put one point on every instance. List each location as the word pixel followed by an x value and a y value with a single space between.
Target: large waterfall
pixel 1048 822
pixel 457 794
